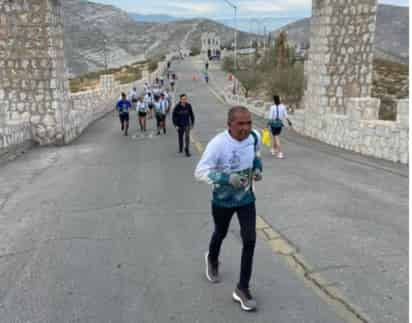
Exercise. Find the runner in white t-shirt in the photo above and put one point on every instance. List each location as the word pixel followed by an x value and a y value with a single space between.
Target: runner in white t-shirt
pixel 142 109
pixel 276 116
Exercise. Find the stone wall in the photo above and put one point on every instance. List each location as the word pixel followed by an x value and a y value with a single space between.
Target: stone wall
pixel 32 85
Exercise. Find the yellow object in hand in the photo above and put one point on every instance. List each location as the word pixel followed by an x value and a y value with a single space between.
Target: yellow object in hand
pixel 266 137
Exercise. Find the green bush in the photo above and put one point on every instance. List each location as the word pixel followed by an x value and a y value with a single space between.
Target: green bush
pixel 194 51
pixel 153 65
pixel 228 64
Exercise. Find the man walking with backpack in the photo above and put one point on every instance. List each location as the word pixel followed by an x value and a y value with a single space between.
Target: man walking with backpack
pixel 231 163
pixel 184 120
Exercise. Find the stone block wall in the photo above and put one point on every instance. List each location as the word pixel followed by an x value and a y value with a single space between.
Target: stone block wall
pixel 14 134
pixel 32 85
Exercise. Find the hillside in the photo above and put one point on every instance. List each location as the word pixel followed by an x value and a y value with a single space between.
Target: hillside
pixel 392 33
pixel 88 24
pixel 152 18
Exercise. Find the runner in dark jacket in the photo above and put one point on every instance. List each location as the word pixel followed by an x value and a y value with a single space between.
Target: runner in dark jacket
pixel 184 120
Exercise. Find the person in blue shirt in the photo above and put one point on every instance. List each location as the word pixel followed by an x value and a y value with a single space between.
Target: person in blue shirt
pixel 123 106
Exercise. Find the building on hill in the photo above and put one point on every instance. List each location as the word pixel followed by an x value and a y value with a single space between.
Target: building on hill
pixel 211 43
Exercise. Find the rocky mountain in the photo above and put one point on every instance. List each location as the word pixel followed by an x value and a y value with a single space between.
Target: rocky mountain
pixel 392 33
pixel 152 18
pixel 92 29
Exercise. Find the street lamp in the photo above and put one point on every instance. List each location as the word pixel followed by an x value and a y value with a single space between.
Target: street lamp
pixel 105 53
pixel 235 26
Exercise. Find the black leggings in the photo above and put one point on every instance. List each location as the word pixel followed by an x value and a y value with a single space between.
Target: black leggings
pixel 247 220
pixel 184 138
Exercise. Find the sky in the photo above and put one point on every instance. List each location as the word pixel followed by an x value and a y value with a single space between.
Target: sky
pixel 220 9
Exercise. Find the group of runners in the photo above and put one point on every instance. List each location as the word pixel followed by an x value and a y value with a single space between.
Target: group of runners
pixel 156 104
pixel 231 162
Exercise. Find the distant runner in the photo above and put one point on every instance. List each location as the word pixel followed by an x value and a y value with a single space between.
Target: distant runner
pixel 231 163
pixel 160 110
pixel 276 115
pixel 141 109
pixel 123 106
pixel 132 97
pixel 148 100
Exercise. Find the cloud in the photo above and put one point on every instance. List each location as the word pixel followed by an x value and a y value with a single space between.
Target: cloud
pixel 193 7
pixel 259 6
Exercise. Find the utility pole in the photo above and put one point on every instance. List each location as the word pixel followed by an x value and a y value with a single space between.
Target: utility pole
pixel 235 37
pixel 105 53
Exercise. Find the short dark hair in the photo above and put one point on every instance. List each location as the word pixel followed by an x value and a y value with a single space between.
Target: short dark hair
pixel 234 110
pixel 182 95
pixel 276 99
pixel 123 94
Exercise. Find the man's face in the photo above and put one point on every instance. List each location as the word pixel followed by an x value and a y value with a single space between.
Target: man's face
pixel 241 125
pixel 183 100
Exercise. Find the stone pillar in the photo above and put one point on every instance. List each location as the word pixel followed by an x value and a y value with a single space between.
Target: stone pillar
pixel 341 53
pixel 403 112
pixel 32 73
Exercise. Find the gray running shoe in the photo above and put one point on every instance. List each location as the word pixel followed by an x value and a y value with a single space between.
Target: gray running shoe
pixel 243 296
pixel 212 270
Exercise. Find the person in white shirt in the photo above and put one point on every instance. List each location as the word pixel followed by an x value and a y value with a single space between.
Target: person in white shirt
pixel 141 109
pixel 148 100
pixel 146 88
pixel 132 96
pixel 276 116
pixel 231 162
pixel 160 106
pixel 168 98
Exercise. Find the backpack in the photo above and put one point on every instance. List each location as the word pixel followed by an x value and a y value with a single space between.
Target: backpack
pixel 276 123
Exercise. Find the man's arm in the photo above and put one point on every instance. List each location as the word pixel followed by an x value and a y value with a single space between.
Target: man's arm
pixel 206 170
pixel 287 117
pixel 257 162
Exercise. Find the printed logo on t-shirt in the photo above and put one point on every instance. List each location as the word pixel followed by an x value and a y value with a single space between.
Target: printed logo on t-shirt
pixel 234 161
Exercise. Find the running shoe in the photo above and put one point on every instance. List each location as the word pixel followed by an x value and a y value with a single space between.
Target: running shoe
pixel 245 298
pixel 212 270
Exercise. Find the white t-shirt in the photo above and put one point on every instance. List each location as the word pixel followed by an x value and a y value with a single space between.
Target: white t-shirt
pixel 273 114
pixel 141 106
pixel 148 99
pixel 224 156
pixel 132 95
pixel 227 155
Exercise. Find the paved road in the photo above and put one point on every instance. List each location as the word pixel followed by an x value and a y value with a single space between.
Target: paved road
pixel 113 229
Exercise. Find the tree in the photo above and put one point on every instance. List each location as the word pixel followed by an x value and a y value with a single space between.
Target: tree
pixel 249 79
pixel 288 82
pixel 282 53
pixel 228 64
pixel 194 51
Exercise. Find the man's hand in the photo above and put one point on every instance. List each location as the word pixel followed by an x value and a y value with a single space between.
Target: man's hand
pixel 257 175
pixel 238 181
